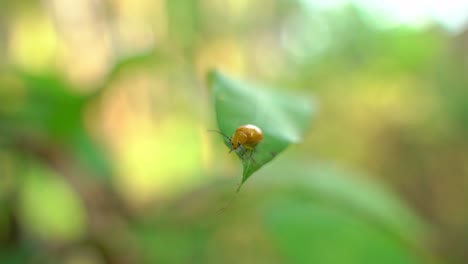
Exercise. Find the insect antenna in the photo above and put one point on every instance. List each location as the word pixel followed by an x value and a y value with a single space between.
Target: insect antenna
pixel 224 135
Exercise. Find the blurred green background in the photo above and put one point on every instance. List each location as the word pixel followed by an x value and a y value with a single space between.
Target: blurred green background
pixel 105 158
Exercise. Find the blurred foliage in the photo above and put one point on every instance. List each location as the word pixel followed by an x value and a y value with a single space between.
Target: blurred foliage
pixel 105 158
pixel 294 214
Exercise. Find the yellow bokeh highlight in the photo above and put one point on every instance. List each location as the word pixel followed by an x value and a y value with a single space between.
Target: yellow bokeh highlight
pixel 33 42
pixel 224 54
pixel 158 160
pixel 158 151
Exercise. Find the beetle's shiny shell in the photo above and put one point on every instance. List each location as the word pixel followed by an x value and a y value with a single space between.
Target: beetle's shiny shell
pixel 247 136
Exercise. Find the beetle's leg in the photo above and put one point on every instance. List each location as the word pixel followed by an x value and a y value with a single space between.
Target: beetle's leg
pixel 250 156
pixel 247 154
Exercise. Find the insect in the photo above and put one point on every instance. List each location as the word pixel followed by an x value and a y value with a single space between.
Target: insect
pixel 246 138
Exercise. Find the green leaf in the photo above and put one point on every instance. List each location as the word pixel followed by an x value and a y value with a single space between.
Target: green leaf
pixel 282 117
pixel 325 213
pixel 49 207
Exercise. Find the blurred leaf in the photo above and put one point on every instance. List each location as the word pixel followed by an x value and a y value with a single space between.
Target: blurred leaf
pixel 345 189
pixel 316 233
pixel 41 106
pixel 323 214
pixel 319 213
pixel 44 112
pixel 51 104
pixel 146 59
pixel 49 208
pixel 282 117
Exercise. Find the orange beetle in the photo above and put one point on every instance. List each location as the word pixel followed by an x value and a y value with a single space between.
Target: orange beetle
pixel 246 136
